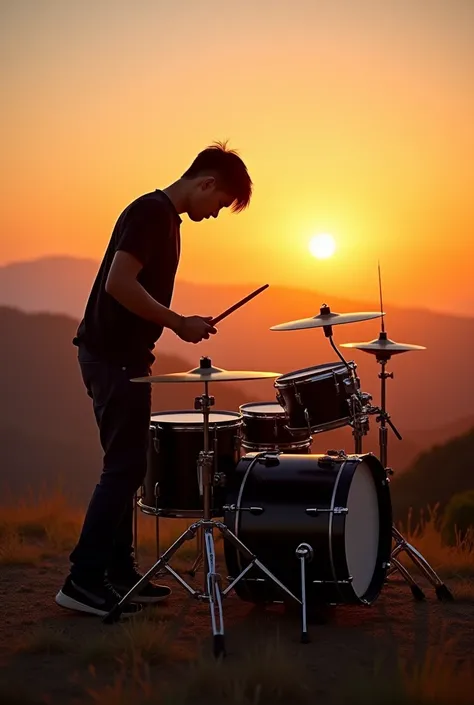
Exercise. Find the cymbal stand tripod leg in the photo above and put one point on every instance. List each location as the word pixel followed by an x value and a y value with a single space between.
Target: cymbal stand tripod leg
pixel 442 591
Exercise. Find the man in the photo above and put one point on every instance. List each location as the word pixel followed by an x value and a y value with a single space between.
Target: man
pixel 128 308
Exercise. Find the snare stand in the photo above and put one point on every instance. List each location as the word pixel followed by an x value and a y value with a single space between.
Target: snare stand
pixel 212 591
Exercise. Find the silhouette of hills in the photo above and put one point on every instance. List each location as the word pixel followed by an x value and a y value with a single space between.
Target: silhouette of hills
pixel 430 391
pixel 436 475
pixel 47 429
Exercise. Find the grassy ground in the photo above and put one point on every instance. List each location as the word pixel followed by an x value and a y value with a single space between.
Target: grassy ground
pixel 395 651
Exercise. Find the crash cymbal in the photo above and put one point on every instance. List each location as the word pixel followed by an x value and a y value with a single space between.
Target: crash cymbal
pixel 383 346
pixel 207 373
pixel 325 318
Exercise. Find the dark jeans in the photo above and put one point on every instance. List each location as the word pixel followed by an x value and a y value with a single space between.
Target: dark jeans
pixel 122 410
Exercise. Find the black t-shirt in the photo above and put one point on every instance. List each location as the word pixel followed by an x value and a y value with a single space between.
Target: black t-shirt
pixel 149 228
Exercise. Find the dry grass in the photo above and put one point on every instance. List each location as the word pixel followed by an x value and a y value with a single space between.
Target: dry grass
pixel 450 561
pixel 438 680
pixel 47 519
pixel 14 550
pixel 269 674
pixel 148 639
pixel 41 526
pixel 126 689
pixel 46 641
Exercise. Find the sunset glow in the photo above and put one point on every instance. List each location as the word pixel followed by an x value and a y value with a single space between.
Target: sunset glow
pixel 322 246
pixel 341 131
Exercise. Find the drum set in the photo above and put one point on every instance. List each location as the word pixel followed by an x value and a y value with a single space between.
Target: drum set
pixel 297 527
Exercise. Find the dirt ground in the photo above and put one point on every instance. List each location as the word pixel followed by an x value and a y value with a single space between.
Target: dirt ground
pixel 37 665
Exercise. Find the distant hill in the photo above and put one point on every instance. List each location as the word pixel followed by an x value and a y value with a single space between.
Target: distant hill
pixel 435 476
pixel 430 391
pixel 46 423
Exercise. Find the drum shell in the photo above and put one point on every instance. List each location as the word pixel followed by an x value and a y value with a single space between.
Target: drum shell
pixel 285 491
pixel 266 429
pixel 172 463
pixel 321 391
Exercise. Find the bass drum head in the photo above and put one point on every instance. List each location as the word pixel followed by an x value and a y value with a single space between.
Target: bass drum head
pixel 362 529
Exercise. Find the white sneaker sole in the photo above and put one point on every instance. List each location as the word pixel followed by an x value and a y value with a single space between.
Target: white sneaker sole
pixel 69 603
pixel 145 600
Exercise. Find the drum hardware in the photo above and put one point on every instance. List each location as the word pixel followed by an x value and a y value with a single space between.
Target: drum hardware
pixel 330 454
pixel 383 348
pixel 212 592
pixel 359 409
pixel 316 511
pixel 304 553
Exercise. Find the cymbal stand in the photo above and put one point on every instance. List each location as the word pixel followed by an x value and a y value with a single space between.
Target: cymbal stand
pixel 358 400
pixel 383 419
pixel 212 592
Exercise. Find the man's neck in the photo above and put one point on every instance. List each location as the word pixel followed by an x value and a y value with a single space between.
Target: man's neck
pixel 176 192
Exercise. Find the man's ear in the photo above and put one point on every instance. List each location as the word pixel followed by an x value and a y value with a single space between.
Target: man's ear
pixel 207 183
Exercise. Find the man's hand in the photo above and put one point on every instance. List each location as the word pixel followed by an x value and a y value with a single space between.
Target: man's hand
pixel 193 329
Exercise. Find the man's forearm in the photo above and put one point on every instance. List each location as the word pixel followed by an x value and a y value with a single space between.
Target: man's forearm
pixel 136 299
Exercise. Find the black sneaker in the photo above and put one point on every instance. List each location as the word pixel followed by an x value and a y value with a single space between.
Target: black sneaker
pixel 97 600
pixel 149 594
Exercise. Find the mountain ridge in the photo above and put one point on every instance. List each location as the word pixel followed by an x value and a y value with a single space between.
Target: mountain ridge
pixel 91 265
pixel 431 388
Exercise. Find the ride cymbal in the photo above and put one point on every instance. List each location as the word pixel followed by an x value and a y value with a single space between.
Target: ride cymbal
pixel 383 345
pixel 326 318
pixel 207 373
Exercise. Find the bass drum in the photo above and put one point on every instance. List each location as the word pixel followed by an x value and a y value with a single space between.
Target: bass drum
pixel 340 505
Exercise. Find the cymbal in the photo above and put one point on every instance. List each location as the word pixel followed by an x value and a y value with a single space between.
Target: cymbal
pixel 326 317
pixel 207 373
pixel 383 346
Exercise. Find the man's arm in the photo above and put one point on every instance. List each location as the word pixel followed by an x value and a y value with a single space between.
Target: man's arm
pixel 123 285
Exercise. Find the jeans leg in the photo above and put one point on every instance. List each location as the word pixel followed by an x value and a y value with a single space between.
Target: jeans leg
pixel 122 410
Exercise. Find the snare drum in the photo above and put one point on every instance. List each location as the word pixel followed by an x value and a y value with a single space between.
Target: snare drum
pixel 171 486
pixel 318 398
pixel 264 428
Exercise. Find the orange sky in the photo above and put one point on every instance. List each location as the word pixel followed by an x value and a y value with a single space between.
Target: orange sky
pixel 355 118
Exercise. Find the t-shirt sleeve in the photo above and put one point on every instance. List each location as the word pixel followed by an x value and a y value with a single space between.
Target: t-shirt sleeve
pixel 141 232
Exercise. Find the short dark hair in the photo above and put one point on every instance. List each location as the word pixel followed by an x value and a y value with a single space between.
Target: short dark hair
pixel 229 170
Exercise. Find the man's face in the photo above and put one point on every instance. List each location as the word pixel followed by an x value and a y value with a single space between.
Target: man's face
pixel 206 200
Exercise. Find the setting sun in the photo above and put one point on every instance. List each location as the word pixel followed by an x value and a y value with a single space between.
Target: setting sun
pixel 322 246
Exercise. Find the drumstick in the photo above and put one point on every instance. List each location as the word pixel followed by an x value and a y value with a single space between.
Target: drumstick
pixel 238 304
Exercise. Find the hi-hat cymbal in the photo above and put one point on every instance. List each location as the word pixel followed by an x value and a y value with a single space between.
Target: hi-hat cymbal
pixel 383 346
pixel 325 318
pixel 207 373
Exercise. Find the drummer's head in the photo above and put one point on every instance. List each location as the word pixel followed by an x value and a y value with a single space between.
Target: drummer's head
pixel 217 178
